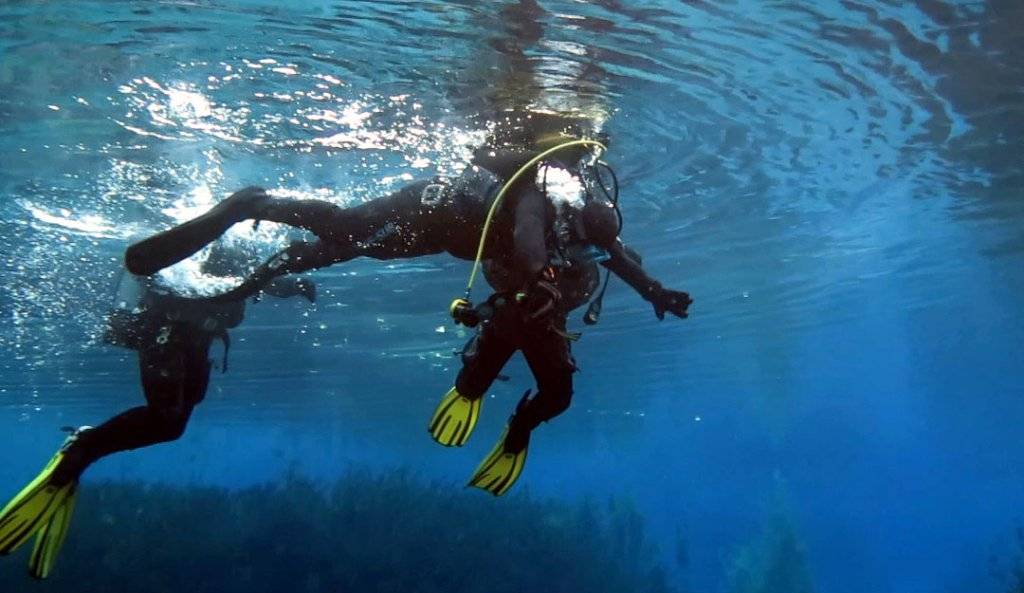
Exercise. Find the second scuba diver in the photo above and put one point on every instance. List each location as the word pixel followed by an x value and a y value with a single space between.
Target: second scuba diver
pixel 538 246
pixel 580 228
pixel 172 335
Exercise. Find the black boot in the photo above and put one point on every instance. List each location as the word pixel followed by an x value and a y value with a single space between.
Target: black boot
pixel 518 437
pixel 75 457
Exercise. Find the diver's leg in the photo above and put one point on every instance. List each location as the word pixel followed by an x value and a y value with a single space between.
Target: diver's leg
pixel 175 374
pixel 550 358
pixel 406 223
pixel 482 360
pixel 300 256
pixel 504 464
pixel 175 371
pixel 458 411
pixel 286 288
pixel 169 247
pixel 399 224
pixel 175 244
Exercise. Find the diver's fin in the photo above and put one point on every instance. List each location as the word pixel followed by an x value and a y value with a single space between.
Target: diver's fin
pixel 454 418
pixel 500 469
pixel 33 507
pixel 50 538
pixel 149 256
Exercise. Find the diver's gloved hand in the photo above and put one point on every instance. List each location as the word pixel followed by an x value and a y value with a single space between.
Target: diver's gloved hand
pixel 540 300
pixel 306 288
pixel 463 312
pixel 673 301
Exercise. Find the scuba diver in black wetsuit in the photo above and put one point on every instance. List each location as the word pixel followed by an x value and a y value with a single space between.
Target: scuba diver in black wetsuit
pixel 532 319
pixel 172 335
pixel 424 218
pixel 536 245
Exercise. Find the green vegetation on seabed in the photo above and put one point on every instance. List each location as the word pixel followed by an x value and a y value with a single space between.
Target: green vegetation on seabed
pixel 368 532
pixel 776 560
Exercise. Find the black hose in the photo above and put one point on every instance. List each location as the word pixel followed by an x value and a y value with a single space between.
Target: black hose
pixel 593 314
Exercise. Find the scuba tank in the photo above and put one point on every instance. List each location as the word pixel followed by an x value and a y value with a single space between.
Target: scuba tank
pixel 125 321
pixel 140 305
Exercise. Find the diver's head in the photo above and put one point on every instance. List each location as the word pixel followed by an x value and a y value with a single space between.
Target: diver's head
pixel 224 260
pixel 599 223
pixel 541 129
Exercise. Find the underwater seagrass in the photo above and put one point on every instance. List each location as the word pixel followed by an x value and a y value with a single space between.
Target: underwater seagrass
pixel 366 532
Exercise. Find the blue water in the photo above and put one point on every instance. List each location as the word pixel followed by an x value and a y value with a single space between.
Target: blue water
pixel 838 185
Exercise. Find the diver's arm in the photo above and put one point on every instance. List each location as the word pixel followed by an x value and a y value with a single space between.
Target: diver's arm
pixel 538 292
pixel 625 263
pixel 531 252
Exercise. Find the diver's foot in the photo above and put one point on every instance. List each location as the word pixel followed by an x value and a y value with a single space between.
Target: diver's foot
pixel 33 509
pixel 306 289
pixel 149 256
pixel 247 202
pixel 454 418
pixel 74 457
pixel 503 466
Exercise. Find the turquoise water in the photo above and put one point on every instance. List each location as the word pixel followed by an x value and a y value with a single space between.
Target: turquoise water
pixel 839 186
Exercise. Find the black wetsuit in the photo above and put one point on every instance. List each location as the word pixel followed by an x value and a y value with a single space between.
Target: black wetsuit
pixel 172 336
pixel 424 218
pixel 514 323
pixel 429 217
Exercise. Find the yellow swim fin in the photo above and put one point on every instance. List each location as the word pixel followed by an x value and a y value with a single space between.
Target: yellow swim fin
pixel 454 418
pixel 50 538
pixel 500 469
pixel 44 508
pixel 33 507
